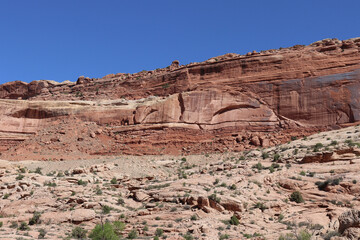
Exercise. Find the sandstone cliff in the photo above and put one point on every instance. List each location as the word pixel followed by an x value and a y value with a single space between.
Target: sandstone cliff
pixel 230 102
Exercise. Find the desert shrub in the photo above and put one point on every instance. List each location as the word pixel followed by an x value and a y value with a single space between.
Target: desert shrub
pixel 35 218
pixel 81 182
pixel 265 155
pixel 14 225
pixel 113 180
pixel 19 177
pixel 232 187
pixel 159 232
pixel 187 236
pixel 105 231
pixel 317 147
pixel 38 170
pixel 98 191
pixel 260 206
pixel 258 166
pixel 42 233
pixel 296 197
pixel 332 182
pixel 106 209
pixel 214 198
pixel 234 220
pixel 132 234
pixel 118 227
pixel 276 156
pixel 24 226
pixel 78 233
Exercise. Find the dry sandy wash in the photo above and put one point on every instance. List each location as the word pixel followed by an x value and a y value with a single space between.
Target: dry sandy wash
pixel 299 189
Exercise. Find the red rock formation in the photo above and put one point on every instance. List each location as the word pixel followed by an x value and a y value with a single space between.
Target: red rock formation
pixel 230 102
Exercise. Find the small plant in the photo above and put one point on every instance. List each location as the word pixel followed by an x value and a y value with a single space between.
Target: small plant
pixel 265 155
pixel 118 227
pixel 317 147
pixel 78 233
pixel 276 157
pixel 159 232
pixel 106 209
pixel 50 184
pixel 232 187
pixel 193 217
pixel 6 196
pixel 296 197
pixel 81 182
pixel 98 191
pixel 113 180
pixel 19 177
pixel 24 226
pixel 234 220
pixel 214 198
pixel 14 225
pixel 38 170
pixel 120 201
pixel 35 218
pixel 188 236
pixel 103 231
pixel 258 166
pixel 42 233
pixel 132 234
pixel 322 185
pixel 302 173
pixel 260 205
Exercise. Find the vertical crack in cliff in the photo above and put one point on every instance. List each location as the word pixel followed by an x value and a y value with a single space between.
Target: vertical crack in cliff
pixel 182 106
pixel 351 114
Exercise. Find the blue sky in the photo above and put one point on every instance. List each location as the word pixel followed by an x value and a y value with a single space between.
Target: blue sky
pixel 63 39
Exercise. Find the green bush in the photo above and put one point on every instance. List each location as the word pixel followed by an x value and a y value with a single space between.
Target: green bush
pixel 118 227
pixel 24 226
pixel 260 206
pixel 78 233
pixel 106 209
pixel 332 182
pixel 132 234
pixel 103 232
pixel 113 180
pixel 296 197
pixel 42 233
pixel 234 220
pixel 38 170
pixel 265 155
pixel 35 218
pixel 159 232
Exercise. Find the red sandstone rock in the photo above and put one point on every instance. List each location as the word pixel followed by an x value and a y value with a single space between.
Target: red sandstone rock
pixel 228 103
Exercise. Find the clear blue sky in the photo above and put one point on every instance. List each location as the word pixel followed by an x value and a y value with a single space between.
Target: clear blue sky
pixel 63 39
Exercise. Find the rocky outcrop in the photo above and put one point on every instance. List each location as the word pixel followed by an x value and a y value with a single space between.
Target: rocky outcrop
pixel 230 102
pixel 349 224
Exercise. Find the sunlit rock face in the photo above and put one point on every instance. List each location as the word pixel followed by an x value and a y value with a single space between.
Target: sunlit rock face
pixel 229 102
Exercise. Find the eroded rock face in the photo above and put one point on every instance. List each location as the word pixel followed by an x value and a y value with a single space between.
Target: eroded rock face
pixel 236 101
pixel 349 219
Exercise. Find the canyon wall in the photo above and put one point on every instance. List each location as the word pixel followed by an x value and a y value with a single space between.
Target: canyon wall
pixel 227 103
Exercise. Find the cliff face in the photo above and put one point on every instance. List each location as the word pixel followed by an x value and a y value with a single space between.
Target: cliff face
pixel 230 102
